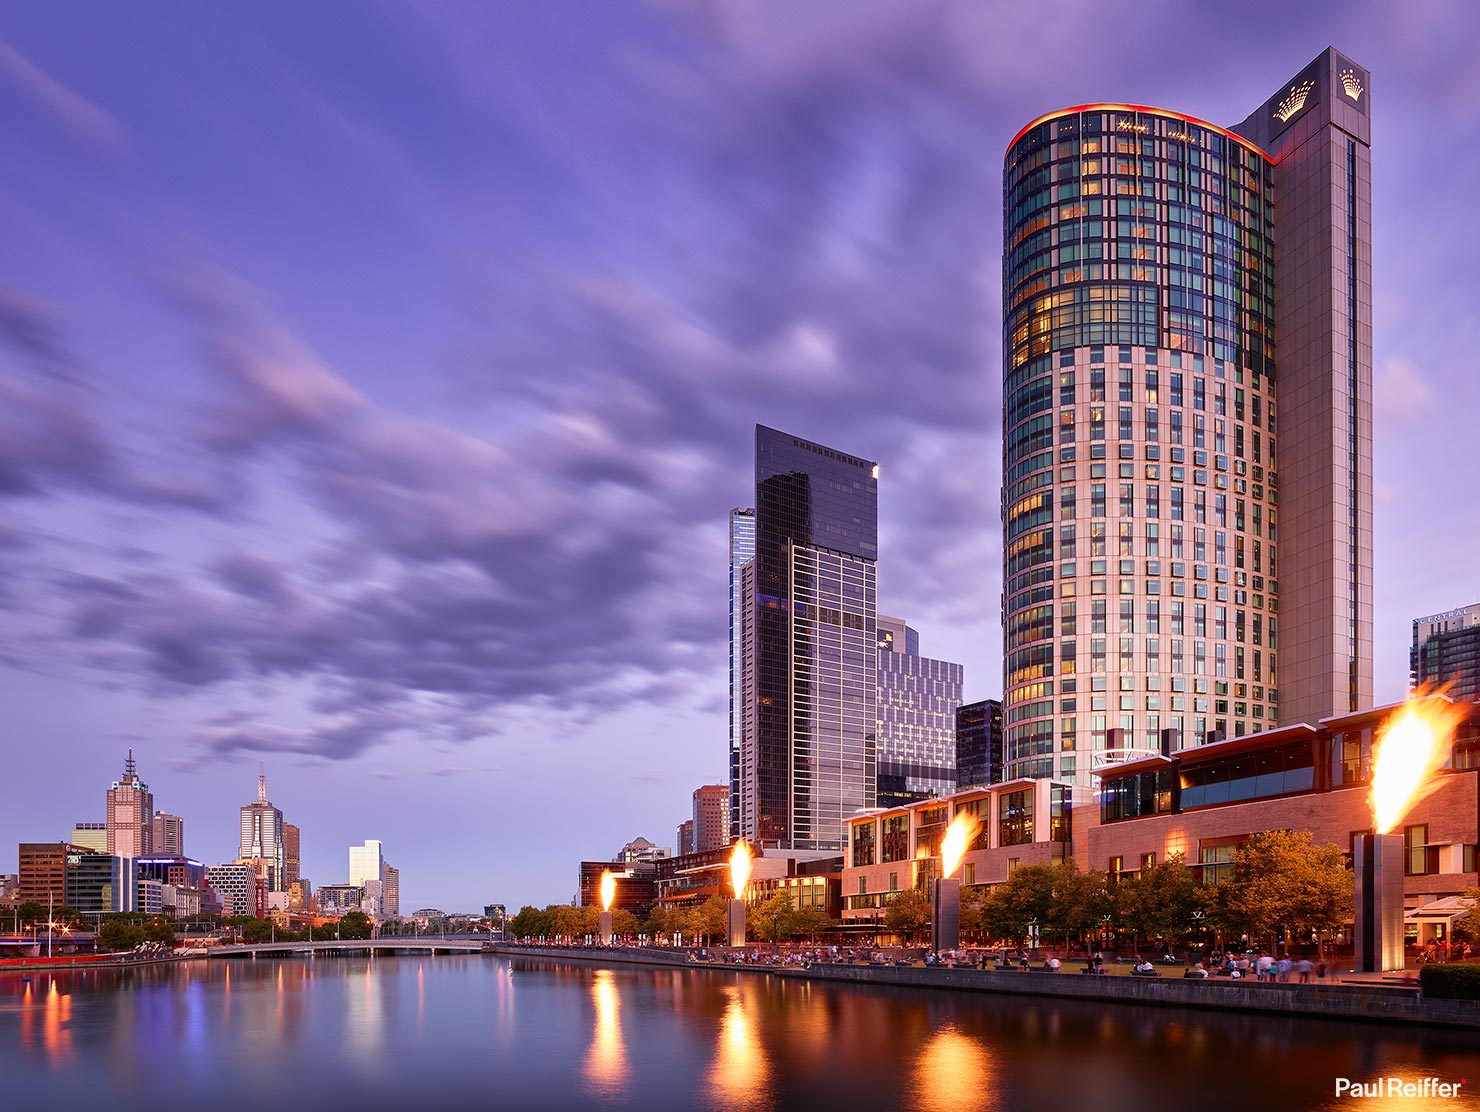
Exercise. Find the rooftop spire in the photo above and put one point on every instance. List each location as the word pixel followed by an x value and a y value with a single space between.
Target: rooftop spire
pixel 261 783
pixel 130 770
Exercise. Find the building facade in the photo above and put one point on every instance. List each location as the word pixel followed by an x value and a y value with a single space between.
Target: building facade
pixel 262 837
pixel 808 629
pixel 1446 653
pixel 367 871
pixel 292 854
pixel 168 835
pixel 1199 298
pixel 742 551
pixel 336 899
pixel 236 886
pixel 979 744
pixel 1201 803
pixel 391 892
pixel 130 814
pixel 91 835
pixel 42 873
pixel 99 883
pixel 711 817
pixel 917 700
pixel 685 834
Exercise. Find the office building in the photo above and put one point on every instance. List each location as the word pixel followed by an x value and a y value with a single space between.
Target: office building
pixel 979 744
pixel 742 551
pixel 711 817
pixel 686 837
pixel 169 835
pixel 1187 496
pixel 10 886
pixel 262 838
pixel 640 849
pixel 336 899
pixel 42 872
pixel 130 814
pixel 808 661
pixel 391 892
pixel 236 886
pixel 91 835
pixel 917 699
pixel 1446 653
pixel 99 883
pixel 292 851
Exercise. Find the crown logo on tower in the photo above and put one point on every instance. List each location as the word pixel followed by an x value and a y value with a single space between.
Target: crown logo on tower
pixel 1351 83
pixel 1294 101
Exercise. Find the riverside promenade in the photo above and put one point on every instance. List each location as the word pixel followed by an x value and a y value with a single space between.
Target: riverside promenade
pixel 1367 1000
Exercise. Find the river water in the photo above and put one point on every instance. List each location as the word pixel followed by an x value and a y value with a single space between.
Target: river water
pixel 412 1033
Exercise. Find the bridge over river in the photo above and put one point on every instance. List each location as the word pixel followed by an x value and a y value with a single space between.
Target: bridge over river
pixel 336 948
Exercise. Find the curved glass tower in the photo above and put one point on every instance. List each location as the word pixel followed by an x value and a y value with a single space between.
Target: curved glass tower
pixel 1150 349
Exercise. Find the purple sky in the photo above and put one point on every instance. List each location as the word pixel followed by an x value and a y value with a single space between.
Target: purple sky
pixel 375 379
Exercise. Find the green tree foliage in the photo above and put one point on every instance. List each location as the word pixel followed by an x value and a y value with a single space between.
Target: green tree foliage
pixel 531 922
pixel 354 925
pixel 624 922
pixel 907 913
pixel 711 919
pixel 259 930
pixel 771 920
pixel 811 922
pixel 1282 880
pixel 158 929
pixel 1469 926
pixel 32 912
pixel 115 934
pixel 973 912
pixel 1063 901
pixel 1160 901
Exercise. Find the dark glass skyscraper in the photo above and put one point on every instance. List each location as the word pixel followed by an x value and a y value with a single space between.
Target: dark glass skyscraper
pixel 742 551
pixel 979 749
pixel 1187 462
pixel 1446 653
pixel 808 629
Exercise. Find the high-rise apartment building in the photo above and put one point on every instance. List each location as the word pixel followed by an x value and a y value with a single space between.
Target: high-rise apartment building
pixel 262 838
pixel 391 892
pixel 1187 484
pixel 808 711
pixel 979 744
pixel 367 871
pixel 130 814
pixel 1446 653
pixel 742 551
pixel 169 835
pixel 685 834
pixel 917 699
pixel 711 817
pixel 236 885
pixel 292 854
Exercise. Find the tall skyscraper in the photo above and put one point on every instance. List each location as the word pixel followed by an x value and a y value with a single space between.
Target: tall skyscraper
pixel 292 854
pixel 685 834
pixel 979 748
pixel 742 551
pixel 391 892
pixel 262 838
pixel 1199 297
pixel 169 835
pixel 711 817
pixel 917 701
pixel 367 871
pixel 808 627
pixel 1446 652
pixel 130 814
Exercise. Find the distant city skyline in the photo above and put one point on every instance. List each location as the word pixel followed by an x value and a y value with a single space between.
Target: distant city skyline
pixel 380 420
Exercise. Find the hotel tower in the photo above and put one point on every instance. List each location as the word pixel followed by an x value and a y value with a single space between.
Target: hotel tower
pixel 1187 456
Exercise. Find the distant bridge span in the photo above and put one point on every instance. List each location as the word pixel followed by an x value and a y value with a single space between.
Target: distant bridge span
pixel 347 946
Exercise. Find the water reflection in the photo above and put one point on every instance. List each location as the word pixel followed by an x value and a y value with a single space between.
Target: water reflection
pixel 606 1061
pixel 742 1071
pixel 952 1071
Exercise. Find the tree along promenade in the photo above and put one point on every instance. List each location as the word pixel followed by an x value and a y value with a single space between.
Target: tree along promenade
pixel 1373 1001
pixel 332 947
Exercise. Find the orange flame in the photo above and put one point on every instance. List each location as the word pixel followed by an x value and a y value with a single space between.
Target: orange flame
pixel 740 867
pixel 959 835
pixel 608 889
pixel 1415 743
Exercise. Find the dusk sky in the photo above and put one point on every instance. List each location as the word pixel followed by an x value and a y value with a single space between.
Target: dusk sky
pixel 375 379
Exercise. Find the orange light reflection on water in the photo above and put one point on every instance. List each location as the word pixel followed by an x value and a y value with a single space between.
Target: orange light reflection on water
pixel 741 1071
pixel 952 1072
pixel 606 1062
